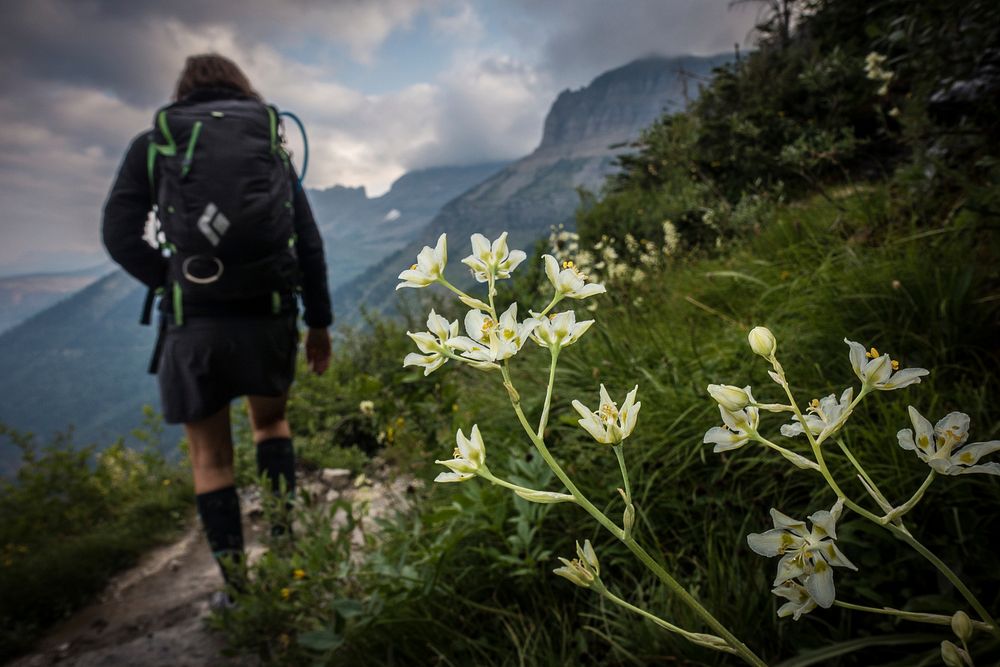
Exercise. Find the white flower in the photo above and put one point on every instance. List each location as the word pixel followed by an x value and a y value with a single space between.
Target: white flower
pixel 368 407
pixel 490 341
pixel 762 342
pixel 494 259
pixel 822 415
pixel 943 447
pixel 429 266
pixel 610 424
pixel 879 371
pixel 799 600
pixel 559 330
pixel 806 555
pixel 569 281
pixel 583 570
pixel 470 458
pixel 739 426
pixel 435 343
pixel 730 397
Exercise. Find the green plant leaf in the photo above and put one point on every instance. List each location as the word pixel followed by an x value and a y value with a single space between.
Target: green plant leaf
pixel 320 640
pixel 822 655
pixel 347 608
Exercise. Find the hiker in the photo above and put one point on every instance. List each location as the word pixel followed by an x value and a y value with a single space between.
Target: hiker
pixel 237 243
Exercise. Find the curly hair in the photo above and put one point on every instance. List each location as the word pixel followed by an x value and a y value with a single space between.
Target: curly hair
pixel 210 70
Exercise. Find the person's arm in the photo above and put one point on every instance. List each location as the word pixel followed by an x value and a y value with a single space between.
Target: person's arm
pixel 125 214
pixel 312 263
pixel 315 292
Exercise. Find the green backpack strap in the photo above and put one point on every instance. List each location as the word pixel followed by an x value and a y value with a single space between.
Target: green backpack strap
pixel 168 149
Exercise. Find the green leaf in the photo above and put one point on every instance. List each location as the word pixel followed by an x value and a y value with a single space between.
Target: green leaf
pixel 346 608
pixel 823 655
pixel 320 640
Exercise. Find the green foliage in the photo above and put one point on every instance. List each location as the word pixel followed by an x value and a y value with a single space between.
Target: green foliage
pixel 72 517
pixel 465 575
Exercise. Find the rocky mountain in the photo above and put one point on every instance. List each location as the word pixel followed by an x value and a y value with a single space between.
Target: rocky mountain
pixel 360 232
pixel 21 296
pixel 584 131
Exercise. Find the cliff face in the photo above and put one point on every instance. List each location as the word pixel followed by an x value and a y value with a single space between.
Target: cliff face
pixel 584 131
pixel 618 104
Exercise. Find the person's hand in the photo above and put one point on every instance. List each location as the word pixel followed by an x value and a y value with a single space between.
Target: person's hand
pixel 318 350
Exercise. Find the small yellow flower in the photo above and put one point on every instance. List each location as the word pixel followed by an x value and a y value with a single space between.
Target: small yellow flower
pixel 166 482
pixel 286 593
pixel 299 573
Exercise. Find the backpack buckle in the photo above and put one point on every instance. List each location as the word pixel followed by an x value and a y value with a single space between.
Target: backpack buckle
pixel 202 280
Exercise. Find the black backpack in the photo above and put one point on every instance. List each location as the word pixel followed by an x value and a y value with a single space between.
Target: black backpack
pixel 222 191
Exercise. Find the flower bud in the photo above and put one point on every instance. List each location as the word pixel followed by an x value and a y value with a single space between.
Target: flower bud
pixel 961 625
pixel 628 519
pixel 544 497
pixel 762 342
pixel 951 655
pixel 731 398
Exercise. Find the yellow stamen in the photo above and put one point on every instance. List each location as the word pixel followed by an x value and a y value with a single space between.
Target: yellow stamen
pixel 814 404
pixel 413 267
pixel 895 365
pixel 872 354
pixel 488 326
pixel 568 264
pixel 457 453
pixel 609 413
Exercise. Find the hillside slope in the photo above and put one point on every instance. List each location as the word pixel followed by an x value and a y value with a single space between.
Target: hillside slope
pixel 584 131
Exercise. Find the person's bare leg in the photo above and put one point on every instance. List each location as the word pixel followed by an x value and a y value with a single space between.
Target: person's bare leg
pixel 267 417
pixel 211 449
pixel 275 455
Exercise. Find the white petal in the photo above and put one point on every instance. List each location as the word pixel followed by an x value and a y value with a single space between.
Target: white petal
pixel 773 542
pixel 834 556
pixel 904 378
pixel 474 321
pixel 480 247
pixel 441 250
pixel 477 453
pixel 552 269
pixel 789 567
pixel 955 425
pixel 460 465
pixel 499 248
pixel 824 524
pixel 783 521
pixel 820 584
pixel 452 477
pixel 878 370
pixel 723 439
pixel 971 453
pixel 858 359
pixel 991 468
pixel 923 433
pixel 587 291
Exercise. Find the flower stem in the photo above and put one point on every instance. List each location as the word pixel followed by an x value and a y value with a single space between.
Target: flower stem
pixel 621 464
pixel 460 293
pixel 696 637
pixel 489 476
pixel 877 493
pixel 917 617
pixel 671 583
pixel 544 420
pixel 552 304
pixel 942 567
pixel 912 502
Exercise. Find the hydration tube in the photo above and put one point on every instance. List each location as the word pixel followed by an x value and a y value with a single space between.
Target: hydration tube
pixel 305 144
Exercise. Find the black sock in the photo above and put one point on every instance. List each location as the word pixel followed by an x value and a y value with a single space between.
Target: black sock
pixel 220 516
pixel 276 459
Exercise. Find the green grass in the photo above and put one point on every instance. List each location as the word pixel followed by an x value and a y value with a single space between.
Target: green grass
pixel 465 578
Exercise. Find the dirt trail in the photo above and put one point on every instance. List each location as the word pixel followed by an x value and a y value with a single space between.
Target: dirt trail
pixel 154 614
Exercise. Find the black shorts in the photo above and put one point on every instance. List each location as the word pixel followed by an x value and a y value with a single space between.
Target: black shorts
pixel 207 362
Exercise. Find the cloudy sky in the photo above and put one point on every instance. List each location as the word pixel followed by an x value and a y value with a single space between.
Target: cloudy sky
pixel 384 86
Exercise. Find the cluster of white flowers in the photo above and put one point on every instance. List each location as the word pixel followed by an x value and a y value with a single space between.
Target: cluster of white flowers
pixel 491 340
pixel 804 577
pixel 604 261
pixel 875 71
